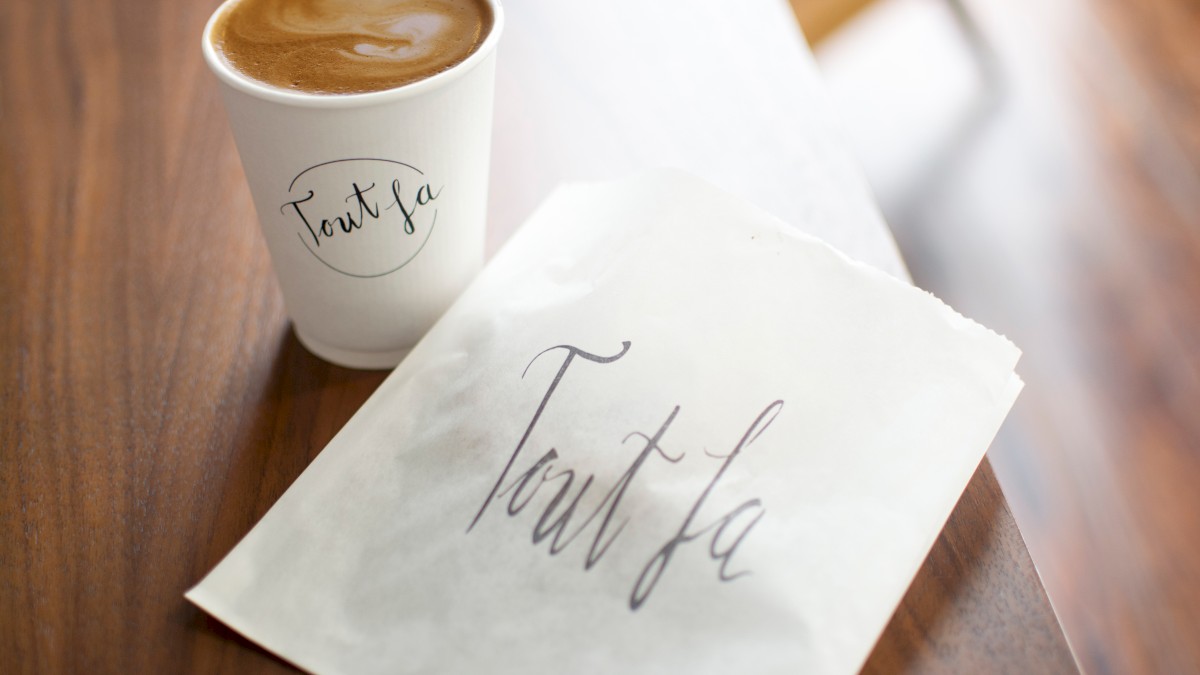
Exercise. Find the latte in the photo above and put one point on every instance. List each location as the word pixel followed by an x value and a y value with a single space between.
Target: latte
pixel 348 46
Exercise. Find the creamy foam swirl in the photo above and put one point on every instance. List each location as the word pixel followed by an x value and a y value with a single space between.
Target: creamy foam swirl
pixel 348 46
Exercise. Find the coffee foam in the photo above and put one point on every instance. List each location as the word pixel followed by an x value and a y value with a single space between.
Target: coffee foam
pixel 348 46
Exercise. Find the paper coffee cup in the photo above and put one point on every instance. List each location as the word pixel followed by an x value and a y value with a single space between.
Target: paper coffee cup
pixel 372 205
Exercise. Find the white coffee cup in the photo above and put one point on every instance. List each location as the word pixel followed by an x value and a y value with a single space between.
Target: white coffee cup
pixel 373 205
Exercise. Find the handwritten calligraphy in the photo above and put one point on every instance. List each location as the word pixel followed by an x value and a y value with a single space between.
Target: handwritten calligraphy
pixel 560 520
pixel 353 219
pixel 362 217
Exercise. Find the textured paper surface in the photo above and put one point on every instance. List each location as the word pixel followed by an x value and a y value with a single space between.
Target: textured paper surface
pixel 662 432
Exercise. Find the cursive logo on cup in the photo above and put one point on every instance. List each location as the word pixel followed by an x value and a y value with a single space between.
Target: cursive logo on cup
pixel 363 217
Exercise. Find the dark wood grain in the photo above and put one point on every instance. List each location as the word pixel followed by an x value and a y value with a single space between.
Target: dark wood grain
pixel 963 612
pixel 154 403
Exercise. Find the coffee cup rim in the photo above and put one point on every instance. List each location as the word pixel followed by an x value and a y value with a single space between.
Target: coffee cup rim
pixel 230 76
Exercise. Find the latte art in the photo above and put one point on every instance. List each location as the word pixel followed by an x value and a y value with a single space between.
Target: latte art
pixel 348 46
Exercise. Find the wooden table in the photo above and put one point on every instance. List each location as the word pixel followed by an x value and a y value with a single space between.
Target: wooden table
pixel 154 402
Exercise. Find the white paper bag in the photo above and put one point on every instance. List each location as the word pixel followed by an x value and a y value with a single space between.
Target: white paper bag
pixel 662 432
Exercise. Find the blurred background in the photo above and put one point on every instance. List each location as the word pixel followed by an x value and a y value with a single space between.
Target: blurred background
pixel 1039 163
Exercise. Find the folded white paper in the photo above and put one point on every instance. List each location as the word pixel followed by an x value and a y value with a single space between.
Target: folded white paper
pixel 662 432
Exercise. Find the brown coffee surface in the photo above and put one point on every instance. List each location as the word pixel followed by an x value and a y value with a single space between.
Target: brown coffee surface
pixel 348 46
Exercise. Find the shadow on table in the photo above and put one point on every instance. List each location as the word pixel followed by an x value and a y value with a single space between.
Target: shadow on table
pixel 284 410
